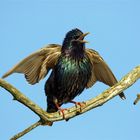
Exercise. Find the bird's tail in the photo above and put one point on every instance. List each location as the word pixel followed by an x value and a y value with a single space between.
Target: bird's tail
pixel 122 96
pixel 51 108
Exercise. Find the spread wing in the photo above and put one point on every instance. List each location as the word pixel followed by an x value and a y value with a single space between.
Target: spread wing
pixel 100 71
pixel 36 66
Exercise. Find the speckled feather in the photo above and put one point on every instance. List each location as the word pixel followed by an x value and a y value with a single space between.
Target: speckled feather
pixel 70 77
pixel 74 68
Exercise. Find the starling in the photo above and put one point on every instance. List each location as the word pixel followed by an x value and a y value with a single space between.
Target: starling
pixel 73 66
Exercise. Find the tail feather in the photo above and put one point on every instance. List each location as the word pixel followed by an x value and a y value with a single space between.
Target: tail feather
pixel 51 108
pixel 122 96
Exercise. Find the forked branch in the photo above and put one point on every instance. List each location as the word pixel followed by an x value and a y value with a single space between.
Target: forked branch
pixel 49 118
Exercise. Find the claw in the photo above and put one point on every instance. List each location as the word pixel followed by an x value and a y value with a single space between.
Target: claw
pixel 81 104
pixel 61 110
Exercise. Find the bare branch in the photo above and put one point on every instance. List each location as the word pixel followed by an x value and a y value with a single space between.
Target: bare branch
pixel 17 95
pixel 48 118
pixel 26 130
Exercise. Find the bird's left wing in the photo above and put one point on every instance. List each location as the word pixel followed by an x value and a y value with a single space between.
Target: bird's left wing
pixel 100 70
pixel 36 66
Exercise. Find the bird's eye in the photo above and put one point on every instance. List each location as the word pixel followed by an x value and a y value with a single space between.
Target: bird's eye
pixel 76 37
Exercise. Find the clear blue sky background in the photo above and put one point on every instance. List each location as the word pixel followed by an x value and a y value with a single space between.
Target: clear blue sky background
pixel 27 25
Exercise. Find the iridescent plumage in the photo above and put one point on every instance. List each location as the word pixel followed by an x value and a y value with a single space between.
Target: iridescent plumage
pixel 74 68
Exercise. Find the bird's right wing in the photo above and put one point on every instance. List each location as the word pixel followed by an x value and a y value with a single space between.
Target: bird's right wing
pixel 36 66
pixel 100 71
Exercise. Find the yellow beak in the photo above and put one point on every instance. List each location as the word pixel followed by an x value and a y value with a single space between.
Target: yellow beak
pixel 80 39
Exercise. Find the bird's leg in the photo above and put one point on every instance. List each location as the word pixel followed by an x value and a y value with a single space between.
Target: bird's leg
pixel 59 108
pixel 81 104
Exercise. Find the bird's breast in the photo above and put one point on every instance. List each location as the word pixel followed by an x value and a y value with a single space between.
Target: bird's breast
pixel 71 77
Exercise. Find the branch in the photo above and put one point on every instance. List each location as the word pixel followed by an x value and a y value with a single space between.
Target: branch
pixel 49 118
pixel 26 130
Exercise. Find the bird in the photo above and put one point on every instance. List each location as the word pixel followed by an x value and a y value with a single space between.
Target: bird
pixel 73 69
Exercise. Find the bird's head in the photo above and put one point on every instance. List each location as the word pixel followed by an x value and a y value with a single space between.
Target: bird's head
pixel 74 39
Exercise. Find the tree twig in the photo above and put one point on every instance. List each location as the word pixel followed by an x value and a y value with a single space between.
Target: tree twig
pixel 48 118
pixel 26 130
pixel 17 95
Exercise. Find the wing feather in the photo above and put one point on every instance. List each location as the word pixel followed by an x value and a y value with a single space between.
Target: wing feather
pixel 100 71
pixel 36 66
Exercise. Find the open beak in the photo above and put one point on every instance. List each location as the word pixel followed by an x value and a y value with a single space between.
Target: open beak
pixel 80 39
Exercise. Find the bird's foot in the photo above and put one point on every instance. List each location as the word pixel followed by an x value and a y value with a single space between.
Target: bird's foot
pixel 62 112
pixel 81 104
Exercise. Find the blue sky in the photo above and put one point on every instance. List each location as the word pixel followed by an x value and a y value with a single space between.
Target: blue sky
pixel 26 26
